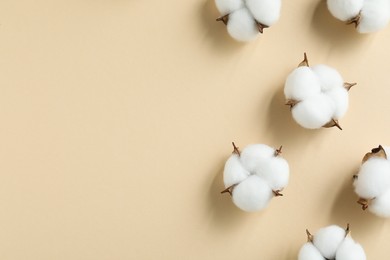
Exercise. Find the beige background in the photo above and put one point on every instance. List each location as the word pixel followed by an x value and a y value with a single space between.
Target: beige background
pixel 117 118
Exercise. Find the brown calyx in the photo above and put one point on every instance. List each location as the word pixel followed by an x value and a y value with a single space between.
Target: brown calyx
pixel 355 20
pixel 261 26
pixel 310 237
pixel 223 19
pixel 348 86
pixel 333 123
pixel 375 152
pixel 277 193
pixel 236 149
pixel 305 61
pixel 229 189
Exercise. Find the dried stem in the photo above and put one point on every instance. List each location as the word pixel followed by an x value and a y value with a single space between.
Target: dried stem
pixel 364 203
pixel 348 86
pixel 236 149
pixel 310 237
pixel 223 19
pixel 305 61
pixel 278 151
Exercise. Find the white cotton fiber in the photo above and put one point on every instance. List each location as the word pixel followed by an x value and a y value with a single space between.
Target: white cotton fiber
pixel 228 6
pixel 341 100
pixel 350 250
pixel 309 252
pixel 380 206
pixel 266 12
pixel 387 151
pixel 234 172
pixel 314 112
pixel 329 78
pixel 275 171
pixel 302 83
pixel 254 155
pixel 328 239
pixel 252 194
pixel 345 10
pixel 241 25
pixel 373 178
pixel 375 15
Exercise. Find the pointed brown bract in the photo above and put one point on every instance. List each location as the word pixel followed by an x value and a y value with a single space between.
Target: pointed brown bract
pixel 347 230
pixel 355 20
pixel 236 149
pixel 229 189
pixel 261 26
pixel 348 86
pixel 223 19
pixel 364 202
pixel 333 123
pixel 278 151
pixel 376 152
pixel 305 61
pixel 277 193
pixel 310 237
pixel 291 103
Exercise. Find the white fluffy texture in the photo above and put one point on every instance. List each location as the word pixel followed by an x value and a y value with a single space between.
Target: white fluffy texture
pixel 234 172
pixel 243 15
pixel 302 83
pixel 327 240
pixel 350 250
pixel 275 172
pixel 329 77
pixel 387 151
pixel 314 112
pixel 309 252
pixel 345 10
pixel 256 172
pixel 267 12
pixel 380 206
pixel 320 94
pixel 228 6
pixel 241 25
pixel 252 194
pixel 341 100
pixel 373 178
pixel 254 155
pixel 375 15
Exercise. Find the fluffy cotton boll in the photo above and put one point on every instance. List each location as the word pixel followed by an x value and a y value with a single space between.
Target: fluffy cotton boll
pixel 309 252
pixel 314 112
pixel 252 194
pixel 266 12
pixel 375 15
pixel 380 206
pixel 373 178
pixel 345 10
pixel 301 84
pixel 341 99
pixel 275 172
pixel 328 239
pixel 234 172
pixel 329 77
pixel 254 155
pixel 350 250
pixel 228 6
pixel 241 25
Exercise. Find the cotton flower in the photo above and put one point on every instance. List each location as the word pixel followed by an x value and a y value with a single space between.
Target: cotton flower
pixel 372 183
pixel 331 243
pixel 255 175
pixel 246 18
pixel 367 15
pixel 317 95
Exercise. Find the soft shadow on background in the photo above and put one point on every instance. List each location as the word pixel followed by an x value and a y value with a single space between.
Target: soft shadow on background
pixel 216 34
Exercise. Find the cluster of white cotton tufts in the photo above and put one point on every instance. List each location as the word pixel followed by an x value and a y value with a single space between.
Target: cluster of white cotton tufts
pixel 331 243
pixel 246 18
pixel 367 15
pixel 255 175
pixel 372 183
pixel 317 95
